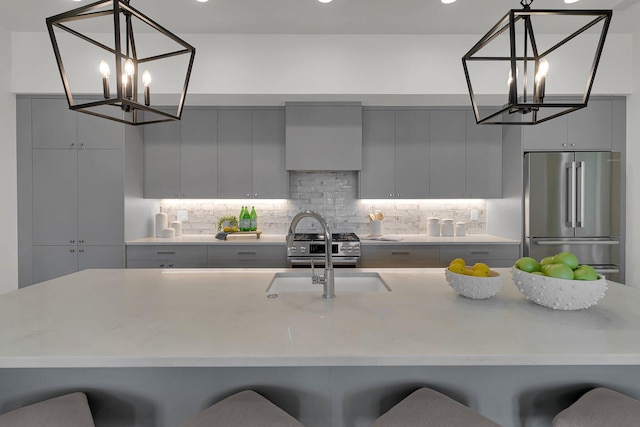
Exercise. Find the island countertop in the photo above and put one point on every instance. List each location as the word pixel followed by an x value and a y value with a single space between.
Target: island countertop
pixel 209 317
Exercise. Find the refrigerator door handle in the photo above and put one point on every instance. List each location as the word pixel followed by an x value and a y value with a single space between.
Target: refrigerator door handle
pixel 571 194
pixel 576 242
pixel 581 194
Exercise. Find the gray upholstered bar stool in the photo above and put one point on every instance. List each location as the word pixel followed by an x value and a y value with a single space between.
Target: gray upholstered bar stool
pixel 601 407
pixel 244 409
pixel 428 408
pixel 71 410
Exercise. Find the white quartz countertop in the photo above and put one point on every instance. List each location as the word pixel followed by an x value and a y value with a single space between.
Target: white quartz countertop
pixel 270 239
pixel 209 317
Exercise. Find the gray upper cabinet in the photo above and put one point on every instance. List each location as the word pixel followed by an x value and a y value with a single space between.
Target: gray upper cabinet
pixel 587 129
pixel 162 160
pixel 98 133
pixel 447 154
pixel 412 154
pixel 199 154
pixel 377 179
pixel 270 177
pixel 53 124
pixel 483 160
pixel 395 154
pixel 324 136
pixel 235 154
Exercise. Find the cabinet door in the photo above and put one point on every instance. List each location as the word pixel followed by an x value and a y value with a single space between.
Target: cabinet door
pixel 100 257
pixel 96 132
pixel 412 154
pixel 235 152
pixel 551 135
pixel 270 177
pixel 447 154
pixel 55 190
pixel 590 128
pixel 162 160
pixel 53 124
pixel 50 262
pixel 484 160
pixel 100 197
pixel 377 179
pixel 199 154
pixel 399 256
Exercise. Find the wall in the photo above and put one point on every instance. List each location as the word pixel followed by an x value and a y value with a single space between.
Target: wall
pixel 333 195
pixel 633 174
pixel 8 189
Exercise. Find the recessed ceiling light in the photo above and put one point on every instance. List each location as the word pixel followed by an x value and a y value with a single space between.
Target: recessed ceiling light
pixel 448 1
pixel 571 1
pixel 324 1
pixel 202 1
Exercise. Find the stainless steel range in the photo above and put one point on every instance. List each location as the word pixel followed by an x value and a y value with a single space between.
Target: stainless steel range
pixel 345 249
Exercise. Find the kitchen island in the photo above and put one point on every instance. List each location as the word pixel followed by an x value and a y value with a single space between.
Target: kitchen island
pixel 156 346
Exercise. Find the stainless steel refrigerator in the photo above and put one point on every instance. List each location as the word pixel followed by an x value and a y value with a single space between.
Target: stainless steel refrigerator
pixel 572 203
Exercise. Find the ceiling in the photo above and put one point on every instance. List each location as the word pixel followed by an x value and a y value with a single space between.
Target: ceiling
pixel 313 17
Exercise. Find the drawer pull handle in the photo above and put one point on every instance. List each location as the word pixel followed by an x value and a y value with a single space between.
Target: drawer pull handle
pixel 246 253
pixel 479 252
pixel 400 253
pixel 166 253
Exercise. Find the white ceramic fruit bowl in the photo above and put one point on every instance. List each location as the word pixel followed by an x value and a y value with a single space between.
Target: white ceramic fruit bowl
pixel 559 294
pixel 474 287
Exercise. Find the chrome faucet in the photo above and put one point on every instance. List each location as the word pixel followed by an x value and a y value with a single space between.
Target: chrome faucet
pixel 327 279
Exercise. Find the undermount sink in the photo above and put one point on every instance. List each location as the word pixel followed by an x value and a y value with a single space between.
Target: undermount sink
pixel 345 281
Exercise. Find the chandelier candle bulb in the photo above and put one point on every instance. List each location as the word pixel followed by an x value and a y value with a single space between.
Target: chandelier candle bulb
pixel 146 81
pixel 106 72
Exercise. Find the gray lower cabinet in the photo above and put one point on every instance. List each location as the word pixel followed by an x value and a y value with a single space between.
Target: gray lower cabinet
pixel 50 262
pixel 432 256
pixel 166 256
pixel 395 154
pixel 495 256
pixel 589 128
pixel 247 256
pixel 399 256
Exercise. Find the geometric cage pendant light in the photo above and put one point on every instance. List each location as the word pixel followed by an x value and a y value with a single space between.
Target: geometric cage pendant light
pixel 528 78
pixel 111 75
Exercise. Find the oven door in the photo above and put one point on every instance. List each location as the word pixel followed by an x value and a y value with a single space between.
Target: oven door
pixel 338 262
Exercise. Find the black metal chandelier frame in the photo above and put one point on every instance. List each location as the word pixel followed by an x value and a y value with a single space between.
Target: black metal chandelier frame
pixel 532 103
pixel 128 104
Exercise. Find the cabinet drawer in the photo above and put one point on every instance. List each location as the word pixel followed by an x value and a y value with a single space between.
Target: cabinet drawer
pixel 399 256
pixel 245 256
pixel 166 263
pixel 478 252
pixel 167 253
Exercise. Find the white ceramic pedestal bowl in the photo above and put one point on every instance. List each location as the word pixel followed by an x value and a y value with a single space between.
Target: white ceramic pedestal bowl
pixel 559 294
pixel 474 287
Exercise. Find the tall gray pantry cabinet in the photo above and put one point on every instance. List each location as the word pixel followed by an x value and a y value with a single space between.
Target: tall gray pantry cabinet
pixel 71 190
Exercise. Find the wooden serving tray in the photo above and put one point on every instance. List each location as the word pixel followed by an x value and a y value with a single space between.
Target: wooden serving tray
pixel 256 233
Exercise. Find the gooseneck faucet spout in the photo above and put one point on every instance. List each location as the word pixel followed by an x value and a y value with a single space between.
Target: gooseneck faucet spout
pixel 327 279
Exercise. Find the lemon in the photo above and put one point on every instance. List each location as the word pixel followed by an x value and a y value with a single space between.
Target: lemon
pixel 459 261
pixel 226 229
pixel 234 229
pixel 457 268
pixel 479 266
pixel 479 273
pixel 468 272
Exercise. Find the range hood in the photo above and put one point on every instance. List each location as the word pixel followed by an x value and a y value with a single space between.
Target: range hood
pixel 323 136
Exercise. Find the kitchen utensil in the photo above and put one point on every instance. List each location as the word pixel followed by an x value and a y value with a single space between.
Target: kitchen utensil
pixel 372 217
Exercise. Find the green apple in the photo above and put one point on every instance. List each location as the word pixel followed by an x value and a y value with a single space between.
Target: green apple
pixel 585 272
pixel 546 260
pixel 527 264
pixel 566 258
pixel 558 271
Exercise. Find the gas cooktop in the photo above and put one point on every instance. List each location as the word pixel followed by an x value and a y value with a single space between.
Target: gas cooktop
pixel 316 237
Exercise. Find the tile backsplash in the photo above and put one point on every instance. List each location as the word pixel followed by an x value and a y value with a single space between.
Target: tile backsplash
pixel 332 195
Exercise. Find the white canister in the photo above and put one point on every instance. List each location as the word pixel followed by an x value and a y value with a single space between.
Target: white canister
pixel 376 227
pixel 168 232
pixel 433 226
pixel 461 229
pixel 446 227
pixel 177 225
pixel 161 223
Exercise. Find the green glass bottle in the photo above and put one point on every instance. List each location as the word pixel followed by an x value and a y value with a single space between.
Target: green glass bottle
pixel 253 219
pixel 247 219
pixel 241 225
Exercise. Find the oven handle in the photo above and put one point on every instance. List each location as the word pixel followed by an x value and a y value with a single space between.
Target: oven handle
pixel 336 261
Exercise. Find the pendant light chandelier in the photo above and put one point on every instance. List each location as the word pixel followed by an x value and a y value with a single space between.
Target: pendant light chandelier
pixel 119 66
pixel 535 75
